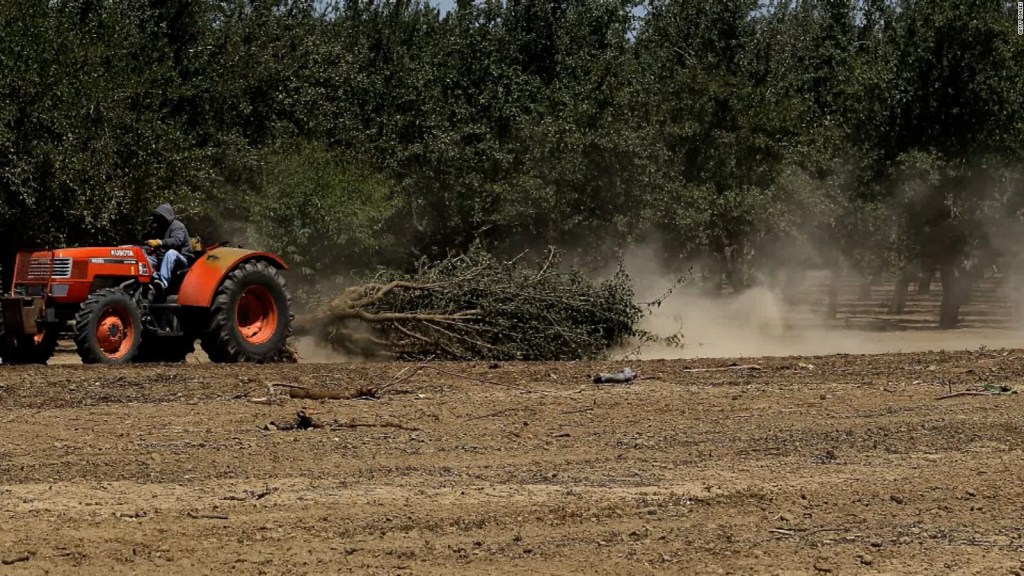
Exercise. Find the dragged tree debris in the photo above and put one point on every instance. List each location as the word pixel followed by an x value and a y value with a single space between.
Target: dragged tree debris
pixel 479 306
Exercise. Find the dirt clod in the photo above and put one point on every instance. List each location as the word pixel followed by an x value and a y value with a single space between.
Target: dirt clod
pixel 302 421
pixel 15 559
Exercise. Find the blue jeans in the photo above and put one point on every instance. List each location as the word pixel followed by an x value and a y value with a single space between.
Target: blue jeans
pixel 171 260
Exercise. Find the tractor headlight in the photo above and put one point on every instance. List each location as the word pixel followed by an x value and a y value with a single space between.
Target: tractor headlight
pixel 59 290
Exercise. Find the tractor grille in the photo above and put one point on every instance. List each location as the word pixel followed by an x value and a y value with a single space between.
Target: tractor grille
pixel 43 269
pixel 61 268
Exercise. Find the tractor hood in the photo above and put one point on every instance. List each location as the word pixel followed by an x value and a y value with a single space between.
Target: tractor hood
pixel 109 253
pixel 69 274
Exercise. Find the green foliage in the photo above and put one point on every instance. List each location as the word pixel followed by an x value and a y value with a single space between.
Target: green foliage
pixel 348 133
pixel 321 213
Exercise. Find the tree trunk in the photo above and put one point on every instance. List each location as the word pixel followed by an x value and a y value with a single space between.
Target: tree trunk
pixel 833 294
pixel 924 285
pixel 865 290
pixel 719 268
pixel 899 296
pixel 949 312
pixel 712 280
pixel 966 285
pixel 965 288
pixel 792 284
pixel 734 276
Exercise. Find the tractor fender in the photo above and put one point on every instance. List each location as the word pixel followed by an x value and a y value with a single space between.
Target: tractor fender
pixel 207 273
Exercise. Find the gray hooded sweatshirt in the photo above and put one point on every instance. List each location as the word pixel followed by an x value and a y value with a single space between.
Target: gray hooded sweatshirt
pixel 175 235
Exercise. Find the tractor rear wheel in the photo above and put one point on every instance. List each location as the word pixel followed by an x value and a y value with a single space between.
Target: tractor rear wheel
pixel 250 318
pixel 108 328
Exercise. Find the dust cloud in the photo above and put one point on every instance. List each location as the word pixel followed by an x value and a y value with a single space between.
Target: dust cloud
pixel 764 321
pixel 774 319
pixel 312 350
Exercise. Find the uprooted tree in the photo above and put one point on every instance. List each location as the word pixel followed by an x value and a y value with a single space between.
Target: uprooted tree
pixel 478 306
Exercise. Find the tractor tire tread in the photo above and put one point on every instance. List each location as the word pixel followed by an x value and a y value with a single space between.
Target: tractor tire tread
pixel 84 333
pixel 220 341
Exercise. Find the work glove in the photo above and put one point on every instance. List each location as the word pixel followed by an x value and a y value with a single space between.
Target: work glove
pixel 154 243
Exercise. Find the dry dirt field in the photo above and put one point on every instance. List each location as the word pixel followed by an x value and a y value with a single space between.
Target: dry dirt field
pixel 817 465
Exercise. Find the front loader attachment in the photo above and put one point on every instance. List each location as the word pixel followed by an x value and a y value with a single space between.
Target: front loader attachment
pixel 22 339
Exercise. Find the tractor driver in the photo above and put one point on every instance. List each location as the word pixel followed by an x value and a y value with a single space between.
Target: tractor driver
pixel 171 246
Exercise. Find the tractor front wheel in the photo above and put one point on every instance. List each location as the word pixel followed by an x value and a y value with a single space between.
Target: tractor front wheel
pixel 108 328
pixel 250 318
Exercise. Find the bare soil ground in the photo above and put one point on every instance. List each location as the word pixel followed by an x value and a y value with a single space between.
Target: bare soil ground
pixel 823 465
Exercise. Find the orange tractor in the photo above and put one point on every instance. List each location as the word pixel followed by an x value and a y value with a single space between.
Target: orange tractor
pixel 234 301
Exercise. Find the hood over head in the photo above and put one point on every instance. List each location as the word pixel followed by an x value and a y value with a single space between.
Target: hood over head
pixel 165 212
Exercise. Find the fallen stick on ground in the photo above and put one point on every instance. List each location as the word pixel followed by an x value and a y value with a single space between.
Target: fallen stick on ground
pixel 987 389
pixel 480 380
pixel 426 366
pixel 399 378
pixel 303 392
pixel 245 393
pixel 250 495
pixel 724 368
pixel 199 516
pixel 339 425
pixel 965 393
pixel 501 412
pixel 579 410
pixel 805 533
